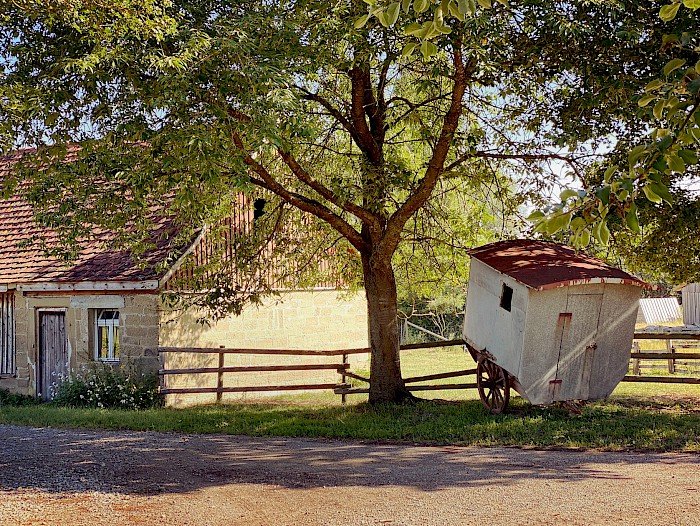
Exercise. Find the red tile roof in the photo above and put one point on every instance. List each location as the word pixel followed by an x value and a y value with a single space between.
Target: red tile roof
pixel 23 261
pixel 541 265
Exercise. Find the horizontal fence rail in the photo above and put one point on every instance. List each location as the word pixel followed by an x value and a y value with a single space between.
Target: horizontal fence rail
pixel 343 368
pixel 343 387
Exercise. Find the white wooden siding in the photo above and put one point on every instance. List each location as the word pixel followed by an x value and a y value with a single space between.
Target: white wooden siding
pixel 691 304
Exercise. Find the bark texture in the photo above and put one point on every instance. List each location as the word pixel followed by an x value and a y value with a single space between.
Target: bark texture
pixel 386 384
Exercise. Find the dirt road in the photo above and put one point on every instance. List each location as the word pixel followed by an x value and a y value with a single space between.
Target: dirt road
pixel 76 478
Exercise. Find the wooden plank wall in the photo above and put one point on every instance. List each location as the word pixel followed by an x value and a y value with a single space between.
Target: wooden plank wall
pixel 7 334
pixel 691 304
pixel 240 222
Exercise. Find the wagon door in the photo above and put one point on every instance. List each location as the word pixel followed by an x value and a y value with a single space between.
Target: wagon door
pixel 53 351
pixel 577 329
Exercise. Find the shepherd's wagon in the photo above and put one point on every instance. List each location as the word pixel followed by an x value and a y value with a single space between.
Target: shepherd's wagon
pixel 551 323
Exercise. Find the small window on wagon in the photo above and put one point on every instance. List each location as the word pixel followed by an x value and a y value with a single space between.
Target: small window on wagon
pixel 107 336
pixel 506 297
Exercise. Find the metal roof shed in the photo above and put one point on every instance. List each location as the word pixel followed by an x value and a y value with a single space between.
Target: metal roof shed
pixel 560 323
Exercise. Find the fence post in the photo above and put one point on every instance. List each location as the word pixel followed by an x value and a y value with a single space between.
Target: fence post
pixel 343 378
pixel 636 369
pixel 161 366
pixel 671 361
pixel 220 376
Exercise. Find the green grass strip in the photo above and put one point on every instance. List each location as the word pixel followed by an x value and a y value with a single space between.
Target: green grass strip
pixel 647 424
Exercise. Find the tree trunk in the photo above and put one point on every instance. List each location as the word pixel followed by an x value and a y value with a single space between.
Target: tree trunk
pixel 386 383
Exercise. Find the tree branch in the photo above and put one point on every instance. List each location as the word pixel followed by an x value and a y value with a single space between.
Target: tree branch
pixel 303 203
pixel 323 191
pixel 397 221
pixel 522 157
pixel 359 78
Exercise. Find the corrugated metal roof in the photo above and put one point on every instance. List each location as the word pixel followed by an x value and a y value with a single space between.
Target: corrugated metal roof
pixel 541 265
pixel 658 310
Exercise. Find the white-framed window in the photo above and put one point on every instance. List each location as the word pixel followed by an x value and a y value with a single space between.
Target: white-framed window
pixel 107 335
pixel 7 335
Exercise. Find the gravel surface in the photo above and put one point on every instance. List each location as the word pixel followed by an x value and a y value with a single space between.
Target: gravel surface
pixel 50 476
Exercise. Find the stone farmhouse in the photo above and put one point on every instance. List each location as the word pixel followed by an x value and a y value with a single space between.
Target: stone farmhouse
pixel 107 310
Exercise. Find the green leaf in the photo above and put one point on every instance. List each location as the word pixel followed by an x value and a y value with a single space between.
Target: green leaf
pixel 486 4
pixel 428 49
pixel 664 143
pixel 408 49
pixel 534 216
pixel 383 19
pixel 406 5
pixel 557 223
pixel 609 173
pixel 676 164
pixel 585 238
pixel 632 219
pixel 658 110
pixel 692 4
pixel 568 193
pixel 577 223
pixel 661 191
pixel 649 193
pixel 463 6
pixel 673 65
pixel 694 86
pixel 697 67
pixel 646 100
pixel 654 85
pixel 603 194
pixel 454 10
pixel 412 29
pixel 420 6
pixel 503 2
pixel 361 22
pixel 604 233
pixel 636 153
pixel 668 12
pixel 689 156
pixel 392 13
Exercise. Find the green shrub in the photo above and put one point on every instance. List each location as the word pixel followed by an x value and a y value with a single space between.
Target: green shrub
pixel 13 399
pixel 104 387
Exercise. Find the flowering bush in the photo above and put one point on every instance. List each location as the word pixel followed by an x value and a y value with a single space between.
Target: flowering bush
pixel 104 387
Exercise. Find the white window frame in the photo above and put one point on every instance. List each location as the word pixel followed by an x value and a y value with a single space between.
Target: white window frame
pixel 111 324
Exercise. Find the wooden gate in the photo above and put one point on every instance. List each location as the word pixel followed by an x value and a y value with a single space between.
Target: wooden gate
pixel 53 351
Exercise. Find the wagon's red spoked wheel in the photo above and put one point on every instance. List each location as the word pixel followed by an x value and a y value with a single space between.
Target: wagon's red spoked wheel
pixel 494 386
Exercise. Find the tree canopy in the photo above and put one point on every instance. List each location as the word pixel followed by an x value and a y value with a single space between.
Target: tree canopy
pixel 188 103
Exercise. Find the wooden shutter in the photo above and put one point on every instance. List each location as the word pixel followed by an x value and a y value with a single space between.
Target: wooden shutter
pixel 7 334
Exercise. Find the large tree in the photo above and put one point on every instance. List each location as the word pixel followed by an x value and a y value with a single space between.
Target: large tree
pixel 187 103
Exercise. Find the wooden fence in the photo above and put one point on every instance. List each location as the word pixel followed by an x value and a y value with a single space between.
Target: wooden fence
pixel 673 341
pixel 344 386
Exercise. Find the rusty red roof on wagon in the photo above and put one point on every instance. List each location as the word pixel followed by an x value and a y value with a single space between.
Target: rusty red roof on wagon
pixel 541 265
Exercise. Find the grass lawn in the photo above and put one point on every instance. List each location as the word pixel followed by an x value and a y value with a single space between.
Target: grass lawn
pixel 638 416
pixel 622 423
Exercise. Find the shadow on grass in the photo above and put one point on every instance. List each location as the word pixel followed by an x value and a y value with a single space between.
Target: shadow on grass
pixel 148 462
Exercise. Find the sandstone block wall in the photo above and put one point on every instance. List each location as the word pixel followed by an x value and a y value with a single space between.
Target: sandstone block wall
pixel 312 320
pixel 138 326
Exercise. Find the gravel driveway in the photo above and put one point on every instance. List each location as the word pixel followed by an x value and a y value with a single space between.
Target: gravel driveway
pixel 50 476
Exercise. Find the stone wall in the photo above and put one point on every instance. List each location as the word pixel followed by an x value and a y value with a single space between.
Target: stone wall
pixel 138 328
pixel 313 320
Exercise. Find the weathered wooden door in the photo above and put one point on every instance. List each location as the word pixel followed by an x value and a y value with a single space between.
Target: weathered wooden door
pixel 53 352
pixel 578 329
